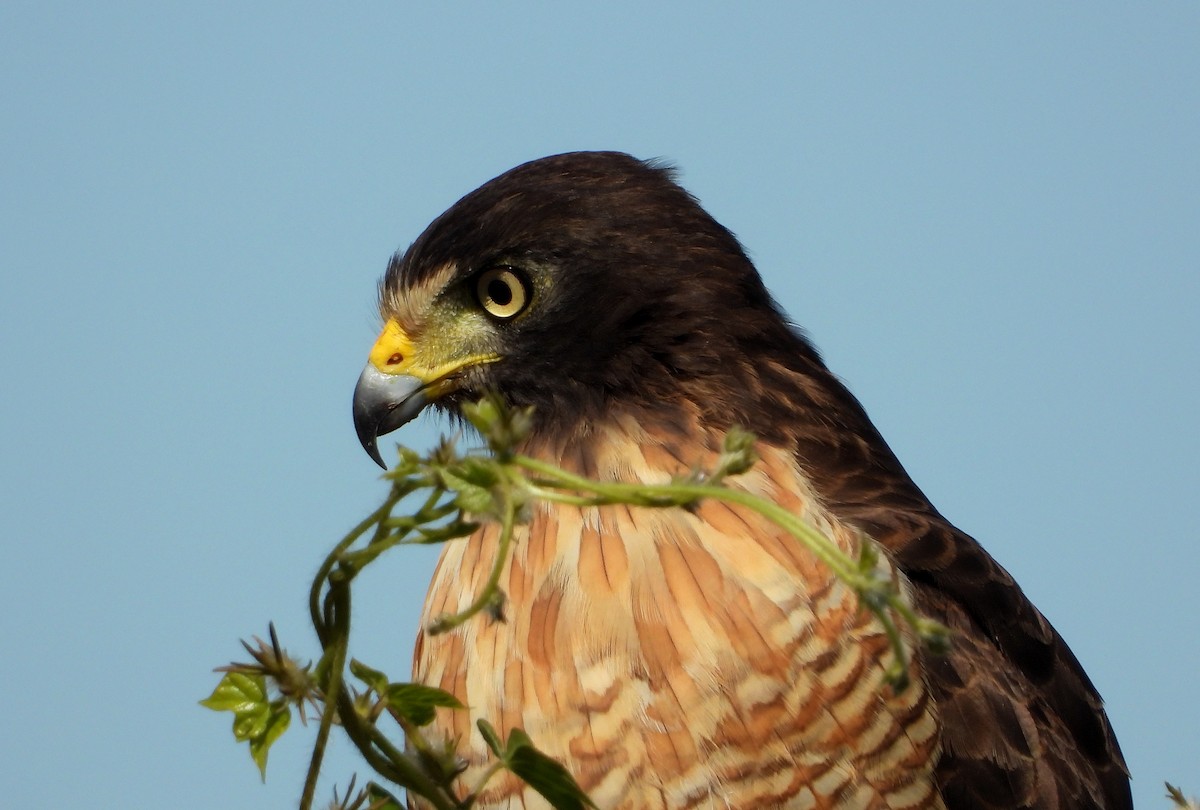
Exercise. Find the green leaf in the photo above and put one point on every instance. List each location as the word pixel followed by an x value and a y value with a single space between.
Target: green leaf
pixel 737 454
pixel 237 692
pixel 503 427
pixel 545 775
pixel 410 462
pixel 371 677
pixel 477 470
pixel 416 702
pixel 491 737
pixel 381 799
pixel 277 723
pixel 482 414
pixel 467 496
pixel 868 556
pixel 252 722
pixel 255 719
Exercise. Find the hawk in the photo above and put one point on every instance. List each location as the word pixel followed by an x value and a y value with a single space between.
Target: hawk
pixel 703 658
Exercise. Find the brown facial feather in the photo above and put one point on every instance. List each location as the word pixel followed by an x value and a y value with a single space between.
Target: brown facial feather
pixel 649 307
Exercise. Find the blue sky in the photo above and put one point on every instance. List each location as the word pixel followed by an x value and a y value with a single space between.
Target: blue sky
pixel 988 218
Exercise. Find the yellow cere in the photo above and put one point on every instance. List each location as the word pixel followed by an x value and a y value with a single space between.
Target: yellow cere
pixel 395 353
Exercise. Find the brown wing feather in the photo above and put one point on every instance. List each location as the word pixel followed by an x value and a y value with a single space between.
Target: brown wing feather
pixel 1022 725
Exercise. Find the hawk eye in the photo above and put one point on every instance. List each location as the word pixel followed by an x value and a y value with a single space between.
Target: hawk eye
pixel 501 292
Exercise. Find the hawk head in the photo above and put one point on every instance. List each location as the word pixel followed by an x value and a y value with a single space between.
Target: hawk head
pixel 570 283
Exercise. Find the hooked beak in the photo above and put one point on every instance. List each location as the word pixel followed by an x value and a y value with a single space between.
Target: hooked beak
pixel 382 403
pixel 400 379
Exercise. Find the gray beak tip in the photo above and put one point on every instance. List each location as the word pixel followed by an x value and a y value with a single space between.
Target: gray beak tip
pixel 382 403
pixel 373 451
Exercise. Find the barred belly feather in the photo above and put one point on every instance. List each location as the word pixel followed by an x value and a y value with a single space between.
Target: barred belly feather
pixel 676 659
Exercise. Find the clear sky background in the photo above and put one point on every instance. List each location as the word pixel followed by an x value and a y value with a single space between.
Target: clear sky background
pixel 988 218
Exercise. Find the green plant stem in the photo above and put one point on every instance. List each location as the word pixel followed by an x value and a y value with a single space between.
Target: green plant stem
pixel 520 480
pixel 314 593
pixel 684 493
pixel 484 778
pixel 334 637
pixel 372 744
pixel 333 686
pixel 878 595
pixel 485 596
pixel 332 643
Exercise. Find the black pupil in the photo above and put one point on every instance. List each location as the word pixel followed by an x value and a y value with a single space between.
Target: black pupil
pixel 499 292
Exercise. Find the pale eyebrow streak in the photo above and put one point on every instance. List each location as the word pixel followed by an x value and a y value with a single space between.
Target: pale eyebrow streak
pixel 408 304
